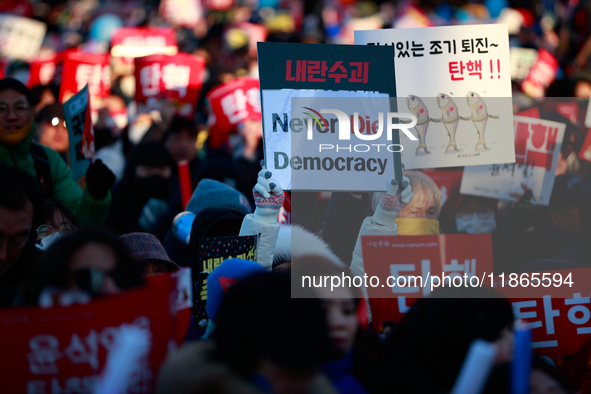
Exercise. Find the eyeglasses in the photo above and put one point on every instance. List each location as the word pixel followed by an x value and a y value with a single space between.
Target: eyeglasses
pixel 46 231
pixel 20 109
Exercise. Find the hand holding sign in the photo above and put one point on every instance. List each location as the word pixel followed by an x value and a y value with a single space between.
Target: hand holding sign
pixel 268 198
pixel 392 202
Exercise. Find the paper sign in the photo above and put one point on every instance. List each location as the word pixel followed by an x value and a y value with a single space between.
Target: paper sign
pixel 230 104
pixel 537 146
pixel 522 59
pixel 541 74
pixel 81 69
pixel 143 41
pixel 185 13
pixel 419 256
pixel 457 80
pixel 317 73
pixel 178 78
pixel 63 349
pixel 76 111
pixel 20 37
pixel 212 252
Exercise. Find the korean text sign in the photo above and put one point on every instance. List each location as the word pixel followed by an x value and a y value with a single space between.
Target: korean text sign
pixel 457 80
pixel 421 256
pixel 81 69
pixel 537 146
pixel 63 349
pixel 178 78
pixel 77 113
pixel 20 37
pixel 143 41
pixel 291 71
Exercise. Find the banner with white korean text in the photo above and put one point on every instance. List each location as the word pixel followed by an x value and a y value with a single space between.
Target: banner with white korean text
pixel 537 146
pixel 80 69
pixel 457 81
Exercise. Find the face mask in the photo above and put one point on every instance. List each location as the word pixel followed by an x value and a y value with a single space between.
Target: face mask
pixel 45 243
pixel 153 186
pixel 417 226
pixel 477 223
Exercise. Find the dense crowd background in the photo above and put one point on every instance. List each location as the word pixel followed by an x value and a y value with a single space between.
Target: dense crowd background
pixel 63 242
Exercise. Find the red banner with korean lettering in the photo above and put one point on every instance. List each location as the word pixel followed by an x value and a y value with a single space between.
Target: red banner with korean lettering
pixel 418 256
pixel 230 104
pixel 81 68
pixel 63 349
pixel 42 71
pixel 143 41
pixel 177 78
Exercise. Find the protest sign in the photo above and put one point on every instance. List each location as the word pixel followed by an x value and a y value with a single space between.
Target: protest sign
pixel 457 81
pixel 81 69
pixel 313 78
pixel 418 259
pixel 80 134
pixel 212 252
pixel 20 37
pixel 143 41
pixel 444 179
pixel 541 74
pixel 537 146
pixel 177 78
pixel 63 349
pixel 522 59
pixel 230 104
pixel 184 13
pixel 42 71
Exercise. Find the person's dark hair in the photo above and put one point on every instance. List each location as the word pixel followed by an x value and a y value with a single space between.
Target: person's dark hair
pixel 258 319
pixel 11 83
pixel 179 124
pixel 18 187
pixel 50 207
pixel 37 91
pixel 443 326
pixel 54 267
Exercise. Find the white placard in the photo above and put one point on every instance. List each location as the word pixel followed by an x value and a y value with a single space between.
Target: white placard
pixel 20 38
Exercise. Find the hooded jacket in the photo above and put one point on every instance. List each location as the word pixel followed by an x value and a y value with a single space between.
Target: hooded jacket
pixel 87 209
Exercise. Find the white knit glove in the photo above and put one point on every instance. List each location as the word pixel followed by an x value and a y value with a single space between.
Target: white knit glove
pixel 268 198
pixel 392 202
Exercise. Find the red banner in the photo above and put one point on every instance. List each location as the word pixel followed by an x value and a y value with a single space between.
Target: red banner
pixel 444 179
pixel 81 68
pixel 63 349
pixel 143 41
pixel 230 104
pixel 178 78
pixel 418 256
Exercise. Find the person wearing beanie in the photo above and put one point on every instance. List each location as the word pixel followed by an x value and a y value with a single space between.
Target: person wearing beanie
pixel 17 129
pixel 147 250
pixel 215 194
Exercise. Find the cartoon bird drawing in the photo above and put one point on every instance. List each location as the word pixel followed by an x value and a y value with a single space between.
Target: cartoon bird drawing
pixel 419 109
pixel 449 118
pixel 479 116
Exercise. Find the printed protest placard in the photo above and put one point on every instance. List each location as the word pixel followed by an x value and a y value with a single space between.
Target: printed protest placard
pixel 185 13
pixel 77 113
pixel 457 82
pixel 64 348
pixel 212 252
pixel 81 69
pixel 178 78
pixel 20 37
pixel 411 262
pixel 342 78
pixel 537 146
pixel 232 103
pixel 143 41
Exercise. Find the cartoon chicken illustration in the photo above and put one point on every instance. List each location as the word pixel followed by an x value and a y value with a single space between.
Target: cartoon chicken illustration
pixel 479 116
pixel 449 118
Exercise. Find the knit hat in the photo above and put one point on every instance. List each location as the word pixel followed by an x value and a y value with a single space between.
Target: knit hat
pixel 214 194
pixel 145 246
pixel 223 277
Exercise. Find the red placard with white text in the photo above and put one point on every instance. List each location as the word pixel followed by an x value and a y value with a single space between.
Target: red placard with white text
pixel 63 349
pixel 42 71
pixel 81 68
pixel 230 104
pixel 143 41
pixel 178 78
pixel 419 255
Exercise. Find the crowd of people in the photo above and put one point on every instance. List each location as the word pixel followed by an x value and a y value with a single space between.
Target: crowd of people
pixel 64 242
